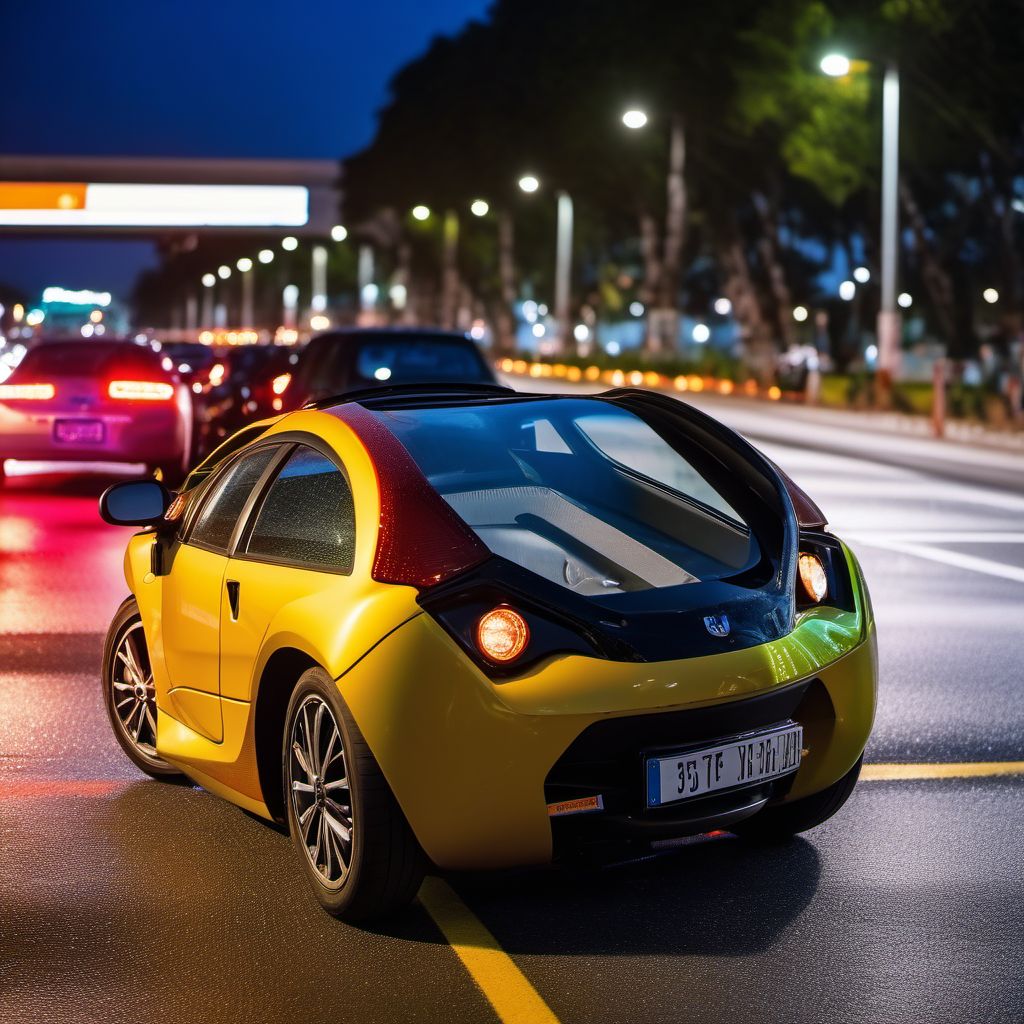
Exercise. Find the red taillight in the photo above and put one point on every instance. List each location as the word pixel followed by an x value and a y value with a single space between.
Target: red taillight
pixel 421 541
pixel 140 390
pixel 26 392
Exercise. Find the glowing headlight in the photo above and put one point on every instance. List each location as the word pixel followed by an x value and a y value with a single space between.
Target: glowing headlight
pixel 812 576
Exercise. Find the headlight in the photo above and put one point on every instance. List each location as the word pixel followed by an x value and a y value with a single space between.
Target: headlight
pixel 813 577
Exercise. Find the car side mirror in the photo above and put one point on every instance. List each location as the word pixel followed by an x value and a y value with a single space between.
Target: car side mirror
pixel 134 503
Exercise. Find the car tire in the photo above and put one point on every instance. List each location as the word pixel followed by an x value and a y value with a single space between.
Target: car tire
pixel 777 824
pixel 385 863
pixel 128 692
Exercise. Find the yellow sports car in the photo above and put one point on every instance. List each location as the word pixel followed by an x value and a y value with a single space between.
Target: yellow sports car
pixel 462 627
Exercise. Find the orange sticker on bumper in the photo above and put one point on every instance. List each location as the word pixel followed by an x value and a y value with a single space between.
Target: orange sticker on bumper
pixel 583 805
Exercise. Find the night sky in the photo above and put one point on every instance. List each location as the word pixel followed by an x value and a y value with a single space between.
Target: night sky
pixel 204 78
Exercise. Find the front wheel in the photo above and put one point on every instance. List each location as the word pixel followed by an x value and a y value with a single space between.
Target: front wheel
pixel 356 848
pixel 128 691
pixel 776 824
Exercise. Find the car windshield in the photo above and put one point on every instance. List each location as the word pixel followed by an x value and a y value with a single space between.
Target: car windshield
pixel 414 359
pixel 84 358
pixel 580 491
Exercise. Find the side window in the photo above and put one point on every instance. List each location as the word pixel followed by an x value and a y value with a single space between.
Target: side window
pixel 307 516
pixel 220 513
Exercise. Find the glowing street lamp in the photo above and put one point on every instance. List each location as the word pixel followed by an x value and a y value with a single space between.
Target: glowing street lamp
pixel 339 233
pixel 634 119
pixel 223 272
pixel 835 65
pixel 421 212
pixel 479 207
pixel 289 243
pixel 265 256
pixel 990 295
pixel 209 280
pixel 529 183
pixel 244 264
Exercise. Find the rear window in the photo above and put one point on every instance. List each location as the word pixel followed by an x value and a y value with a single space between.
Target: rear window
pixel 421 359
pixel 87 359
pixel 582 492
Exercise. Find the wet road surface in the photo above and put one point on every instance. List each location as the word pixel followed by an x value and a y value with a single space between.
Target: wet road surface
pixel 123 899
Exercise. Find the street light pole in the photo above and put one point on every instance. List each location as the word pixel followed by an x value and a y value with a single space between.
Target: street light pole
pixel 563 269
pixel 889 318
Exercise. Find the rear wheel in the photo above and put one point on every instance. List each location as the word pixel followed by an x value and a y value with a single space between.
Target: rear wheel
pixel 776 824
pixel 128 692
pixel 356 848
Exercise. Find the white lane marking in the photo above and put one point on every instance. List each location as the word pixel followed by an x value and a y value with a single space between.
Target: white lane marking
pixel 919 492
pixel 954 558
pixel 943 536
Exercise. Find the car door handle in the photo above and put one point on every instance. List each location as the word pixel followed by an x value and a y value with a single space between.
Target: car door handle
pixel 233 594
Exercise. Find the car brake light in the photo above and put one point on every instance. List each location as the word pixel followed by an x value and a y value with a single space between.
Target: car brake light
pixel 279 385
pixel 502 635
pixel 421 541
pixel 27 392
pixel 140 390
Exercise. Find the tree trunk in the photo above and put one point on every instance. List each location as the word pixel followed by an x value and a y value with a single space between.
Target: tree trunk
pixel 663 322
pixel 504 338
pixel 450 270
pixel 755 332
pixel 768 246
pixel 652 263
pixel 935 278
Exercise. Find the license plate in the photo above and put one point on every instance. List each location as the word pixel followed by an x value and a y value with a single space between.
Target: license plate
pixel 79 431
pixel 742 761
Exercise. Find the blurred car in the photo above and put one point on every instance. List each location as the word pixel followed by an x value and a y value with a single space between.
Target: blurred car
pixel 96 401
pixel 238 389
pixel 342 361
pixel 467 627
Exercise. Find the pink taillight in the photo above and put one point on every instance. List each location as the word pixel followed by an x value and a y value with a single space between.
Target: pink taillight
pixel 140 390
pixel 421 541
pixel 26 392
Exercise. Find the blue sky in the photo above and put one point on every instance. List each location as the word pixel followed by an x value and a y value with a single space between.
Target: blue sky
pixel 205 78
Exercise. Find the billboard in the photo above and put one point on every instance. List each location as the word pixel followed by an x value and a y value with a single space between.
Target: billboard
pixel 107 205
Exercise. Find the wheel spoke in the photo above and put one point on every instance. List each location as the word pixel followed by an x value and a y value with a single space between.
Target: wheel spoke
pixel 339 852
pixel 302 787
pixel 305 821
pixel 315 747
pixel 132 653
pixel 123 686
pixel 328 756
pixel 330 787
pixel 338 825
pixel 128 665
pixel 300 756
pixel 127 700
pixel 150 718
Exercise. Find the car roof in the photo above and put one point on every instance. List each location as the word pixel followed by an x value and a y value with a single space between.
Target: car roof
pixel 391 333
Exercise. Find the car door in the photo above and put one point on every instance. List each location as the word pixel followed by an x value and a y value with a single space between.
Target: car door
pixel 294 558
pixel 192 596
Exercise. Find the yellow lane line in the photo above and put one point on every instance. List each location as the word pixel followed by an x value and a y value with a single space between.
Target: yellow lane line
pixel 505 987
pixel 964 770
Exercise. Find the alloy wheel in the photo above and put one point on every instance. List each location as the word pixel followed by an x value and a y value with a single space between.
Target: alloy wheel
pixel 320 791
pixel 133 693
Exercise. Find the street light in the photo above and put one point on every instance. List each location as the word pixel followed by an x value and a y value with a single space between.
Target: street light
pixel 421 212
pixel 209 280
pixel 634 119
pixel 861 275
pixel 847 290
pixel 289 243
pixel 223 272
pixel 529 183
pixel 244 264
pixel 339 233
pixel 265 256
pixel 990 295
pixel 479 207
pixel 837 65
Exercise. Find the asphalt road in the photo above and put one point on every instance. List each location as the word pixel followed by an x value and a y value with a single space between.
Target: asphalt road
pixel 123 899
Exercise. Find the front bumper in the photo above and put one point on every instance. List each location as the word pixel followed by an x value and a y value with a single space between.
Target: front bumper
pixel 474 764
